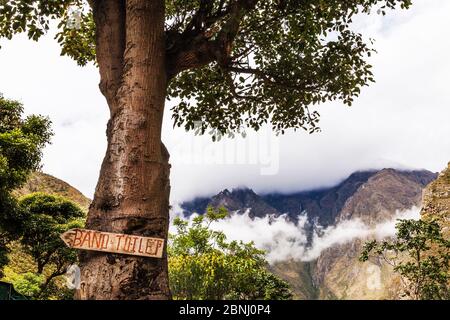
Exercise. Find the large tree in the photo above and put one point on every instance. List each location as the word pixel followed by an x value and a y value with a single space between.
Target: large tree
pixel 230 63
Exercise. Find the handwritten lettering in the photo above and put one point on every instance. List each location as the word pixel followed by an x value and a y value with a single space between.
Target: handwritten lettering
pixel 113 242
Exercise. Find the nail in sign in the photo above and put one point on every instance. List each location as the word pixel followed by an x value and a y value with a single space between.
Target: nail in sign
pixel 113 242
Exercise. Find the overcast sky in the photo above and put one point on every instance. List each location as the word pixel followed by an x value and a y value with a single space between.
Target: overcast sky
pixel 403 120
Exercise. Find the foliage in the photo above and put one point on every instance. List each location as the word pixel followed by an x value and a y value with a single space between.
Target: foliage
pixel 28 283
pixel 21 144
pixel 31 284
pixel 420 254
pixel 44 218
pixel 203 265
pixel 307 54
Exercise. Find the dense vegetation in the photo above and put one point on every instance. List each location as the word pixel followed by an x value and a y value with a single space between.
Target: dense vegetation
pixel 44 218
pixel 32 256
pixel 21 144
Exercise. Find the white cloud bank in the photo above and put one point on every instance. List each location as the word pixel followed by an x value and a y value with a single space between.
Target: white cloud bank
pixel 284 240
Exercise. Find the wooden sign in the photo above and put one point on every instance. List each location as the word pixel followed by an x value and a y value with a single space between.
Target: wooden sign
pixel 113 242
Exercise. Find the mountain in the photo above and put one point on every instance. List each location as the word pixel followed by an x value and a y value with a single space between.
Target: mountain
pixel 384 193
pixel 323 204
pixel 328 205
pixel 372 197
pixel 42 182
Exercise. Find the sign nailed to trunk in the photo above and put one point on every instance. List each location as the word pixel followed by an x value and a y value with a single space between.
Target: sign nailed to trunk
pixel 113 242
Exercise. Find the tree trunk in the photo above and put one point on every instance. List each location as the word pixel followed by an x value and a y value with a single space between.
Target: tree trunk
pixel 132 194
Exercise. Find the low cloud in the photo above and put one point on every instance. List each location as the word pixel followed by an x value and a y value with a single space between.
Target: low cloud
pixel 283 239
pixel 349 230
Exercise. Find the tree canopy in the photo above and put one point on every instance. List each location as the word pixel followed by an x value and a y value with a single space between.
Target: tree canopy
pixel 45 217
pixel 21 143
pixel 225 72
pixel 39 257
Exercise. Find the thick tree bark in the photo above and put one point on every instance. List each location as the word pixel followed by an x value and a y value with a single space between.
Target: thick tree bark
pixel 132 194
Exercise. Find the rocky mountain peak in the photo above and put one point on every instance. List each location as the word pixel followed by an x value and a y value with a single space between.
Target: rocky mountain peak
pixel 237 200
pixel 224 192
pixel 241 199
pixel 384 193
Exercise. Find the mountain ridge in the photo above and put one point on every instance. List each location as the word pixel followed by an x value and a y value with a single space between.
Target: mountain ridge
pixel 322 205
pixel 373 197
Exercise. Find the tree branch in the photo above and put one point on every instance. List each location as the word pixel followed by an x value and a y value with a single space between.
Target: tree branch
pixel 194 50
